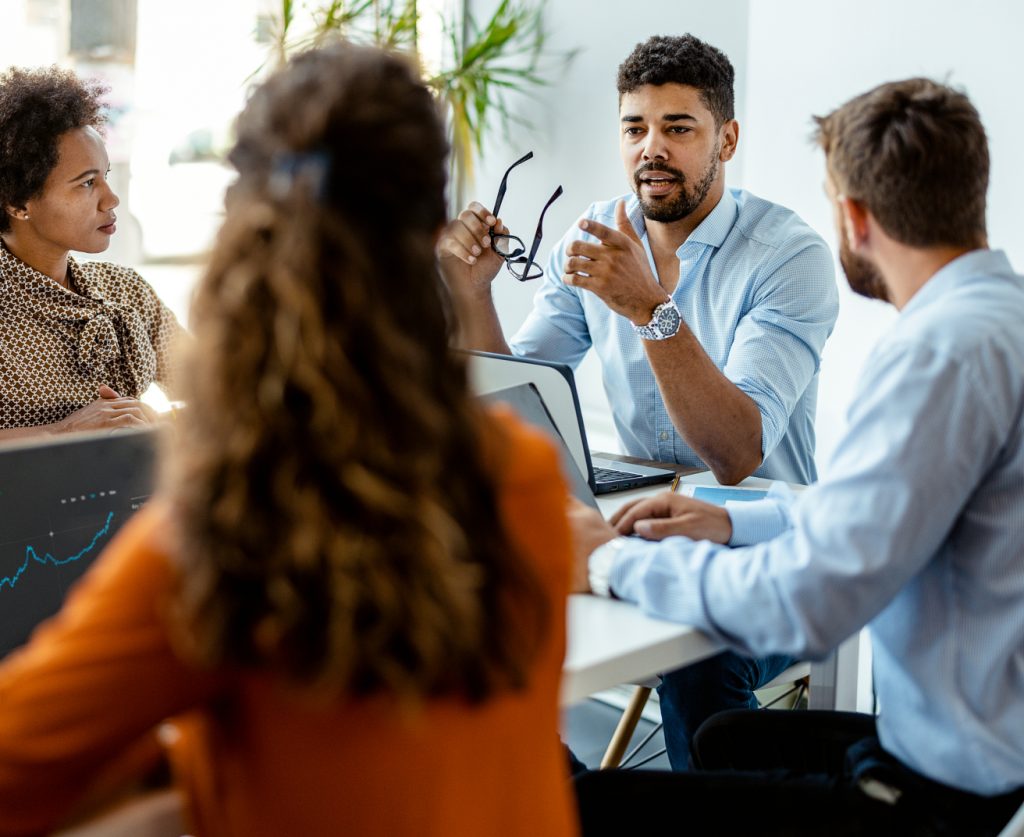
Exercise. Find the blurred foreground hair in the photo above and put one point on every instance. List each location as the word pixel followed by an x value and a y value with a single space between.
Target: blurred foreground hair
pixel 337 512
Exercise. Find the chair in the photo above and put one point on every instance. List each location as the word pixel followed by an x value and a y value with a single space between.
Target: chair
pixel 797 675
pixel 834 684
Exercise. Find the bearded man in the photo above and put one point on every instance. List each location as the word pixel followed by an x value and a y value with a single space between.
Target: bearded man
pixel 707 306
pixel 914 531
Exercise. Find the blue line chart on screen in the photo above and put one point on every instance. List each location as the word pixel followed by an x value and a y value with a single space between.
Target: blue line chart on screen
pixel 31 555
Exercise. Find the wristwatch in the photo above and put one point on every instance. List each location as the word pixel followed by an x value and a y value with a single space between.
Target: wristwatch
pixel 665 321
pixel 599 566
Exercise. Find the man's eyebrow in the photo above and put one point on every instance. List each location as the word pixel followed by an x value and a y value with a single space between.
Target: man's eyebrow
pixel 668 117
pixel 84 174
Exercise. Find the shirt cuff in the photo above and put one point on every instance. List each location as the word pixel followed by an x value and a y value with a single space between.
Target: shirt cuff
pixel 663 577
pixel 756 521
pixel 599 566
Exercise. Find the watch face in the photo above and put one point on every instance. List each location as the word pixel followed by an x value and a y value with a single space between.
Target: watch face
pixel 667 320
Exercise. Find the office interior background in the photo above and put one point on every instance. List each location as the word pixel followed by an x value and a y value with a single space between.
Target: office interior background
pixel 194 59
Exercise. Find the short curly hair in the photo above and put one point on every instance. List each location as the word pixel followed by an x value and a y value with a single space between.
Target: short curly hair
pixel 36 108
pixel 682 59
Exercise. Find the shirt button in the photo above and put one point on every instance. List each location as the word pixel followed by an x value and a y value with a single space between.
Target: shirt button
pixel 663 435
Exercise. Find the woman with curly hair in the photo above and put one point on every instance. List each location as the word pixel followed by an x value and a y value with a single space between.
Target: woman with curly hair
pixel 351 588
pixel 80 342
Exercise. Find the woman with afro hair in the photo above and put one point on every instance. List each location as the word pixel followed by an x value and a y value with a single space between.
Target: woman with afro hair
pixel 80 342
pixel 348 594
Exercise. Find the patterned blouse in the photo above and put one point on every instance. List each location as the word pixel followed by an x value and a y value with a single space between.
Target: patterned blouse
pixel 57 346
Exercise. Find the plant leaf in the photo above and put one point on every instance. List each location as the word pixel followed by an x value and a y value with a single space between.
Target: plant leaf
pixel 506 55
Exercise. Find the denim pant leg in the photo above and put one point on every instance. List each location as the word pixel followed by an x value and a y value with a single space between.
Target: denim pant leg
pixel 691 695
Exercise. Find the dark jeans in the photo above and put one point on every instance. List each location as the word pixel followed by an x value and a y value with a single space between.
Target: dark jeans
pixel 787 773
pixel 691 695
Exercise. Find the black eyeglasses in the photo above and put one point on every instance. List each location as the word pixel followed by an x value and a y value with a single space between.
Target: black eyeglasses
pixel 510 247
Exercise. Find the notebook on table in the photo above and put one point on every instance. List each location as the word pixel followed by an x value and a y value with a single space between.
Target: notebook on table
pixel 60 504
pixel 557 387
pixel 719 495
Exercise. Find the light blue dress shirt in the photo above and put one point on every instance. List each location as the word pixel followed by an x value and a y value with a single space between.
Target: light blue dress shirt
pixel 917 528
pixel 756 287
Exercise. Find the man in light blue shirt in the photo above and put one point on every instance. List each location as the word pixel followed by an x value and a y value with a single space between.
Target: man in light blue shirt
pixel 708 307
pixel 917 529
pixel 757 292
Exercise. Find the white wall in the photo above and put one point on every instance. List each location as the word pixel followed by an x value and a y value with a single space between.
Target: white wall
pixel 793 58
pixel 29 40
pixel 808 57
pixel 575 135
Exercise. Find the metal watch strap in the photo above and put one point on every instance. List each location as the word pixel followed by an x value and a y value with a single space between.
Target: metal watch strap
pixel 665 322
pixel 599 566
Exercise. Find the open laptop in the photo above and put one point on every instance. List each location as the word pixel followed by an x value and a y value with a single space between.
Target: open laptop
pixel 557 388
pixel 60 504
pixel 526 401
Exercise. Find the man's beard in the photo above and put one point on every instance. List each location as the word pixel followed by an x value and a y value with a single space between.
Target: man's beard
pixel 683 202
pixel 862 276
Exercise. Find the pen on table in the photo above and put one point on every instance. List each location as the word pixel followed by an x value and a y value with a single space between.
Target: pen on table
pixel 675 483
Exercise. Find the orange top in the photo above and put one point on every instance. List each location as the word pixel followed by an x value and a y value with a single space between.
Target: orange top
pixel 260 760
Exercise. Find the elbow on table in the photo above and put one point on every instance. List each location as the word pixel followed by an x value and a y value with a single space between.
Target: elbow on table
pixel 734 470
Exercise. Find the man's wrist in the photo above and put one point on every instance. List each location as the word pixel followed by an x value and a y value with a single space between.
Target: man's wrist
pixel 642 314
pixel 664 322
pixel 474 293
pixel 599 566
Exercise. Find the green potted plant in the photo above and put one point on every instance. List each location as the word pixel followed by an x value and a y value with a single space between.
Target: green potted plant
pixel 482 65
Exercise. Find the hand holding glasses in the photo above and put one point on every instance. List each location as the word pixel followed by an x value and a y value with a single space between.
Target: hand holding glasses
pixel 510 247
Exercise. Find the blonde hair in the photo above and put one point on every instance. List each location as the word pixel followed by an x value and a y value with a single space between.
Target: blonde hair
pixel 337 509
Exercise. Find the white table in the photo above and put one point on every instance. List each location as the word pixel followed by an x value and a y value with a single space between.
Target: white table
pixel 613 642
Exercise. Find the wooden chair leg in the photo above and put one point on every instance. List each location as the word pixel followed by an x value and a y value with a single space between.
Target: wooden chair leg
pixel 624 731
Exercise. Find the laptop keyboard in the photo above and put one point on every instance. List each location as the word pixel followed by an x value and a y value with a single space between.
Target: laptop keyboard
pixel 611 475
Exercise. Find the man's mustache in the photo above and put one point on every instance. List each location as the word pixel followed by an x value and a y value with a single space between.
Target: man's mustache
pixel 655 166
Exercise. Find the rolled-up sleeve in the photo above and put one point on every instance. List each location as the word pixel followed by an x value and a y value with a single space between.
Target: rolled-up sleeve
pixel 777 346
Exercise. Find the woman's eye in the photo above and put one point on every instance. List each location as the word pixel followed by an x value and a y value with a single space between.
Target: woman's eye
pixel 88 183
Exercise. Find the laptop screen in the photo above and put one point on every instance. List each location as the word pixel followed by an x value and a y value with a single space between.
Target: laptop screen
pixel 554 381
pixel 526 401
pixel 60 504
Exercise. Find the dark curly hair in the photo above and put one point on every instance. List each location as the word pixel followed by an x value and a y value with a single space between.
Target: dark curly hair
pixel 333 489
pixel 36 108
pixel 682 59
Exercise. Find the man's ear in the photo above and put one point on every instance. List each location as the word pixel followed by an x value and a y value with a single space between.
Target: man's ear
pixel 855 221
pixel 729 136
